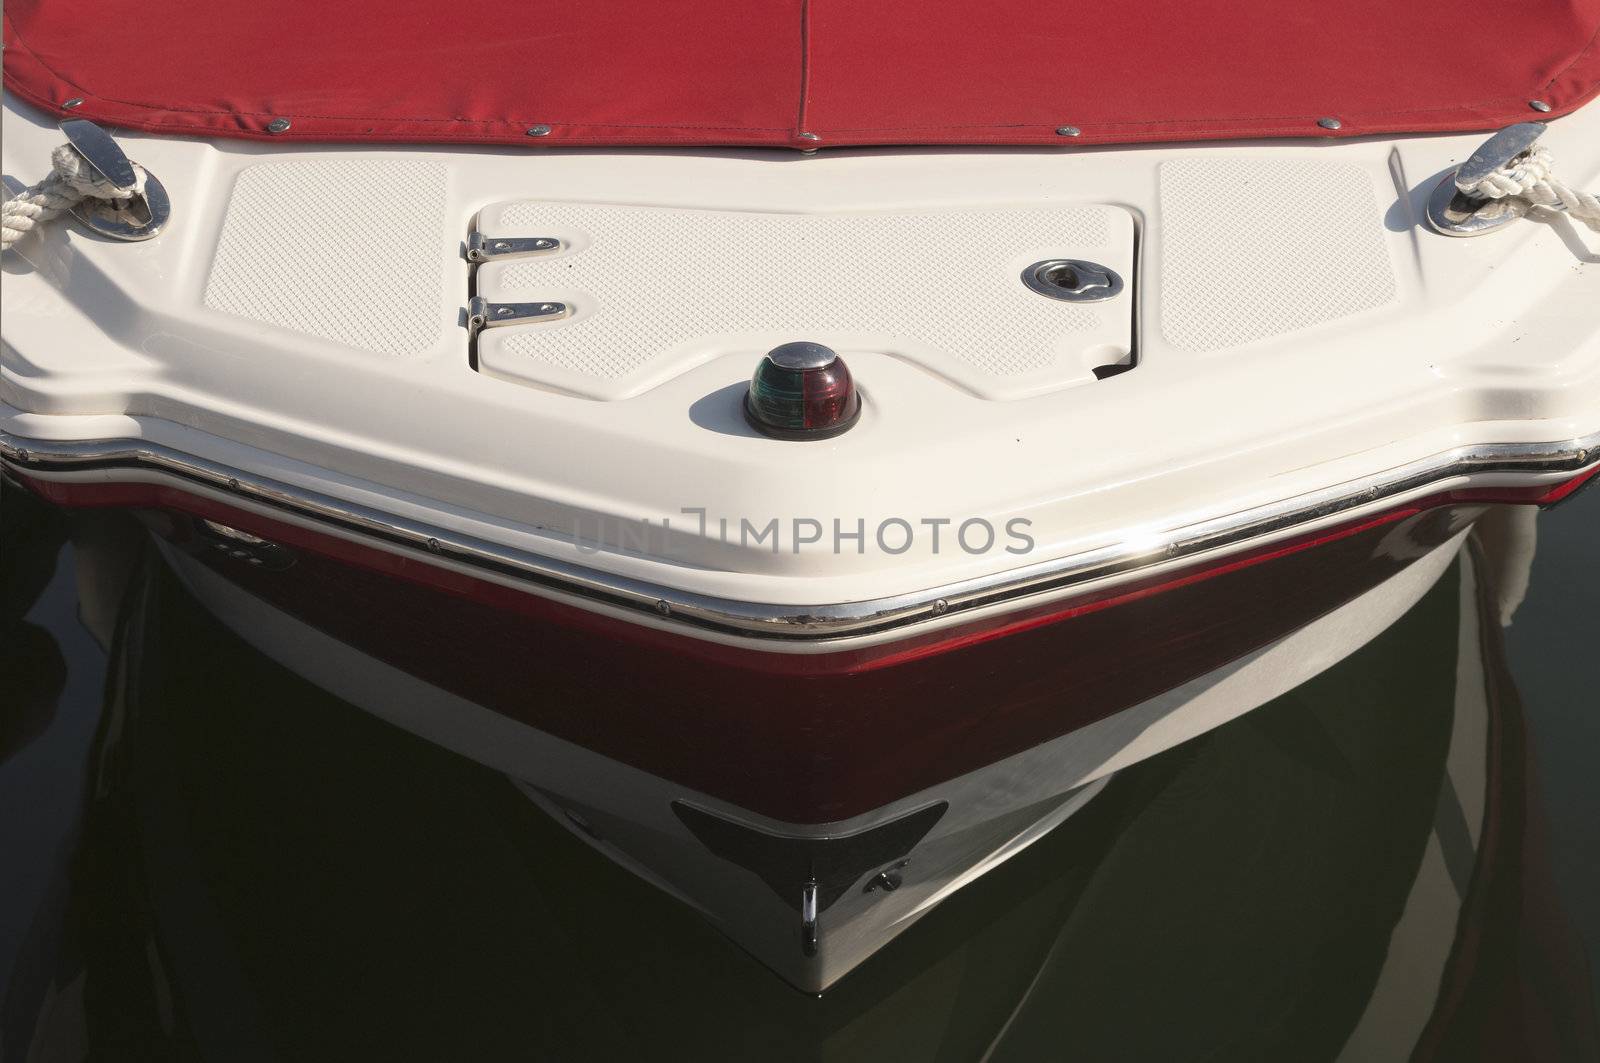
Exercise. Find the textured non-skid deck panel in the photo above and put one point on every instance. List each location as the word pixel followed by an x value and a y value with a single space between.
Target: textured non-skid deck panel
pixel 343 249
pixel 1254 248
pixel 657 290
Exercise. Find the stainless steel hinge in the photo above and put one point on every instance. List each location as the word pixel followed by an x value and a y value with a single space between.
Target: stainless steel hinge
pixel 482 314
pixel 481 248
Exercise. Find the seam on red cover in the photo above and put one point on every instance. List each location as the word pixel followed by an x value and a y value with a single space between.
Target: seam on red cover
pixel 154 125
pixel 492 124
pixel 378 118
pixel 18 39
pixel 157 126
pixel 347 136
pixel 1354 117
pixel 28 94
pixel 1595 38
pixel 805 66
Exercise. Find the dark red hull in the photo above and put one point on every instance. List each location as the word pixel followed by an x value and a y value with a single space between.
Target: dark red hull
pixel 802 738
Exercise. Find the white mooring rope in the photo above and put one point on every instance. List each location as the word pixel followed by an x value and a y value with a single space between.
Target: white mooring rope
pixel 1528 177
pixel 71 181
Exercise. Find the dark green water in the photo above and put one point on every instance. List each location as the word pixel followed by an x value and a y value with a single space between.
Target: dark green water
pixel 202 856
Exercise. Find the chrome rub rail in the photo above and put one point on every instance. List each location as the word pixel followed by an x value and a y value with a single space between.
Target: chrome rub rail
pixel 801 623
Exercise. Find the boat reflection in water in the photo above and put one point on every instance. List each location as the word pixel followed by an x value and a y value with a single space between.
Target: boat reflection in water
pixel 263 870
pixel 814 815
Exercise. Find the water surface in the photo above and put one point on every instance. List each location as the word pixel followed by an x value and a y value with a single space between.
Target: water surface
pixel 206 857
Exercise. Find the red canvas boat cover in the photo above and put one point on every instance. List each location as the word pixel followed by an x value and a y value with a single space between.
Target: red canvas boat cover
pixel 803 73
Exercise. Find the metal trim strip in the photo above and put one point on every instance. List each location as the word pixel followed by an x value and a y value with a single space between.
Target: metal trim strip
pixel 810 623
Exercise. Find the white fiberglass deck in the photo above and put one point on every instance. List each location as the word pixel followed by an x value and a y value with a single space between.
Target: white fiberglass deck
pixel 1297 330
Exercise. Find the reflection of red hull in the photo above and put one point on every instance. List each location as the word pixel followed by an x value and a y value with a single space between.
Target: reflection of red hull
pixel 803 738
pixel 1517 985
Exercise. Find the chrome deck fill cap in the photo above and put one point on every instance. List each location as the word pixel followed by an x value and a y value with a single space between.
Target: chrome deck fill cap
pixel 1073 280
